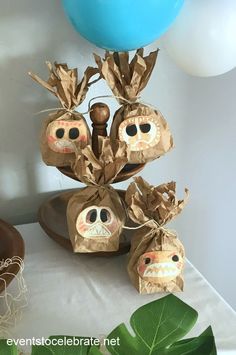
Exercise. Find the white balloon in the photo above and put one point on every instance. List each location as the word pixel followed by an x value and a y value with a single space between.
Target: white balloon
pixel 203 38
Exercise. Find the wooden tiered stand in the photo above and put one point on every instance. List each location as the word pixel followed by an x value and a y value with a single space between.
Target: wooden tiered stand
pixel 52 214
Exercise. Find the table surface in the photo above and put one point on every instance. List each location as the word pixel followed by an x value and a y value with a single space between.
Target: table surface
pixel 71 294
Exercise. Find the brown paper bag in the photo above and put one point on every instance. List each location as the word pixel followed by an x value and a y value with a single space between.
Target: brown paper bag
pixel 156 259
pixel 143 128
pixel 65 130
pixel 96 214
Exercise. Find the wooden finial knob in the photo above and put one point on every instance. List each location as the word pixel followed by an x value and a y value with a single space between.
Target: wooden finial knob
pixel 99 115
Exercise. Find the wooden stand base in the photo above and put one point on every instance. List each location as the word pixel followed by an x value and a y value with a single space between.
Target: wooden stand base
pixel 52 218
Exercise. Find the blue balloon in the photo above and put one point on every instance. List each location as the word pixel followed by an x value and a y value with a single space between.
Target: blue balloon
pixel 122 25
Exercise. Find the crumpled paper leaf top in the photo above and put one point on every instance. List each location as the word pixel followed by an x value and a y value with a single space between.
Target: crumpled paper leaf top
pixel 147 203
pixel 65 85
pixel 126 79
pixel 103 170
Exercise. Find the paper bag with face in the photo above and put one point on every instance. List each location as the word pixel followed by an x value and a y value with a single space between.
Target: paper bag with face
pixel 95 219
pixel 156 264
pixel 156 258
pixel 161 266
pixel 97 222
pixel 96 214
pixel 65 130
pixel 144 129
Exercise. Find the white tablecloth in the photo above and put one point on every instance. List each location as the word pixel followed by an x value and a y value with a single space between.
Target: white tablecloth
pixel 86 295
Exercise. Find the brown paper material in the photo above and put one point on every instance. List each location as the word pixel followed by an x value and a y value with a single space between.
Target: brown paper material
pixel 66 129
pixel 156 259
pixel 96 214
pixel 57 148
pixel 143 128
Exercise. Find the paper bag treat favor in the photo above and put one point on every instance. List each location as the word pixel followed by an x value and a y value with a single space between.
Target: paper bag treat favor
pixel 156 258
pixel 96 214
pixel 65 129
pixel 143 128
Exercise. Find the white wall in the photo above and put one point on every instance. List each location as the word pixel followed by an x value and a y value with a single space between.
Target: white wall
pixel 199 111
pixel 209 168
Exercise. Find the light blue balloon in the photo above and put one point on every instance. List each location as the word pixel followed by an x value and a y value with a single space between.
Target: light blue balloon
pixel 122 25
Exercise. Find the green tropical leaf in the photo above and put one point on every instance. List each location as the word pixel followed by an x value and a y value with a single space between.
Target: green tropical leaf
pixel 41 350
pixel 82 348
pixel 156 325
pixel 6 349
pixel 158 328
pixel 94 351
pixel 204 345
pixel 133 345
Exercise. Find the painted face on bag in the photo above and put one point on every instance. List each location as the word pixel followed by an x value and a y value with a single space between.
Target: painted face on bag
pixel 140 133
pixel 97 222
pixel 63 135
pixel 160 266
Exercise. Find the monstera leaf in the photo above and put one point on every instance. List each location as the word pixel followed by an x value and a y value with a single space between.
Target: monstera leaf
pixel 204 345
pixel 7 349
pixel 94 351
pixel 65 349
pixel 158 327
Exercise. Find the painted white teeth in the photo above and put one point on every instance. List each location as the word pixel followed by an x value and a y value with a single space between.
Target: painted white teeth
pixel 160 273
pixel 97 231
pixel 161 270
pixel 64 144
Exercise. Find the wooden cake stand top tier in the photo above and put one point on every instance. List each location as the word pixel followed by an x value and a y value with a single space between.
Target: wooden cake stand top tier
pixel 99 115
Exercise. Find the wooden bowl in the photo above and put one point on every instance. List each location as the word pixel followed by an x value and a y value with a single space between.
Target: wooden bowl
pixel 128 171
pixel 52 218
pixel 11 244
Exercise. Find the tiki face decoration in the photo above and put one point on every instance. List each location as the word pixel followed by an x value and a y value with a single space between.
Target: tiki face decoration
pixel 64 135
pixel 97 222
pixel 159 267
pixel 140 132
